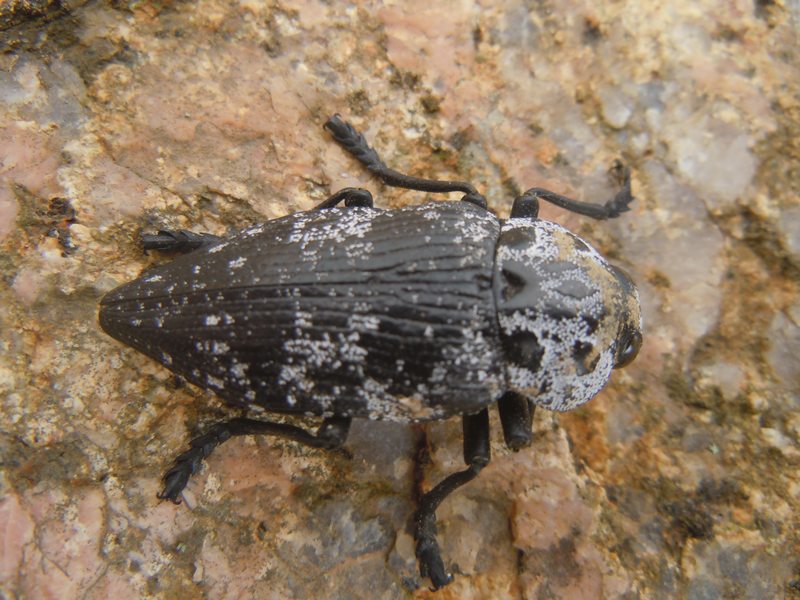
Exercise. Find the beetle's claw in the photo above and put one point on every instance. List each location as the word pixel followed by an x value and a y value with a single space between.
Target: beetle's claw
pixel 175 481
pixel 431 564
pixel 437 574
pixel 164 495
pixel 621 201
pixel 336 125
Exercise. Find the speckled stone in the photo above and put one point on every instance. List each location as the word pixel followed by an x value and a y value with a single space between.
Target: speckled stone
pixel 680 480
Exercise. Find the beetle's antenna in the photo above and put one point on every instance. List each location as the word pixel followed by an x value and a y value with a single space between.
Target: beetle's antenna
pixel 351 140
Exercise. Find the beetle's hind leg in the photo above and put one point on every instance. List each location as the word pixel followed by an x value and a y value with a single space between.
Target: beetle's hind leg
pixel 353 142
pixel 181 240
pixel 476 456
pixel 331 434
pixel 610 210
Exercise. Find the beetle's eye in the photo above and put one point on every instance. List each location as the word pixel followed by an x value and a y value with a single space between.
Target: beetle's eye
pixel 629 351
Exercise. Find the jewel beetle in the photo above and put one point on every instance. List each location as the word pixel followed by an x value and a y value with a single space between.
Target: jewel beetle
pixel 424 312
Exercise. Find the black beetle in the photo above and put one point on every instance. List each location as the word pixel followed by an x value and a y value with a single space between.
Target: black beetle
pixel 414 314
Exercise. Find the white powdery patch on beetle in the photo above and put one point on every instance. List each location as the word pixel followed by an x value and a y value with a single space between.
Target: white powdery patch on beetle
pixel 557 383
pixel 217 247
pixel 237 263
pixel 363 323
pixel 350 351
pixel 565 388
pixel 253 231
pixel 475 230
pixel 238 371
pixel 568 285
pixel 327 353
pixel 382 405
pixel 336 225
pixel 312 351
pixel 302 321
pixel 323 233
pixel 545 241
pixel 476 355
pixel 219 348
pixel 215 382
pixel 542 247
pixel 316 353
pixel 295 378
pixel 358 249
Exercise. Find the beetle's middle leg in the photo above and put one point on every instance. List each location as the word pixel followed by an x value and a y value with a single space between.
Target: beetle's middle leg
pixel 331 434
pixel 476 456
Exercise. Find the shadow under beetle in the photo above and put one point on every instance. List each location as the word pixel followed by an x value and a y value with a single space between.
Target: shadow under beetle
pixel 414 314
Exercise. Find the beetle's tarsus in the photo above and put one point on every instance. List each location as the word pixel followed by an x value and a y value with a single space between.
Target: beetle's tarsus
pixel 431 564
pixel 331 434
pixel 351 140
pixel 621 201
pixel 174 482
pixel 180 241
pixel 188 463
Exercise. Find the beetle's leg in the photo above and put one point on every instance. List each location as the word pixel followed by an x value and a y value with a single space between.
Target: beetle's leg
pixel 177 241
pixel 331 434
pixel 476 456
pixel 351 197
pixel 611 209
pixel 525 207
pixel 351 140
pixel 516 415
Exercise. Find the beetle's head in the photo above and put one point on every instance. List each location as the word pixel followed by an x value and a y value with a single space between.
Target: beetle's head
pixel 567 317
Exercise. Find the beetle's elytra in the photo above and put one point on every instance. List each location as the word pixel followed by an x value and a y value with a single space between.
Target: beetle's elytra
pixel 419 313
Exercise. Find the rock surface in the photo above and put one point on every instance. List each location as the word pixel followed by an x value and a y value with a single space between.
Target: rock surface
pixel 680 480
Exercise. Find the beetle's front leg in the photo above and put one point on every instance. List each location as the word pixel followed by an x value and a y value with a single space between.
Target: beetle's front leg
pixel 476 456
pixel 180 240
pixel 610 210
pixel 516 416
pixel 331 434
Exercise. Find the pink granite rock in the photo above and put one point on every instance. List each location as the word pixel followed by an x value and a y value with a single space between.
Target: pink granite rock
pixel 678 480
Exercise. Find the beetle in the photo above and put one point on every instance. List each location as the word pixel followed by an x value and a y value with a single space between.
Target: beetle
pixel 419 313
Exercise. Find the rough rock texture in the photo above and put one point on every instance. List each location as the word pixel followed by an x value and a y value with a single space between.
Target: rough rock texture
pixel 680 480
